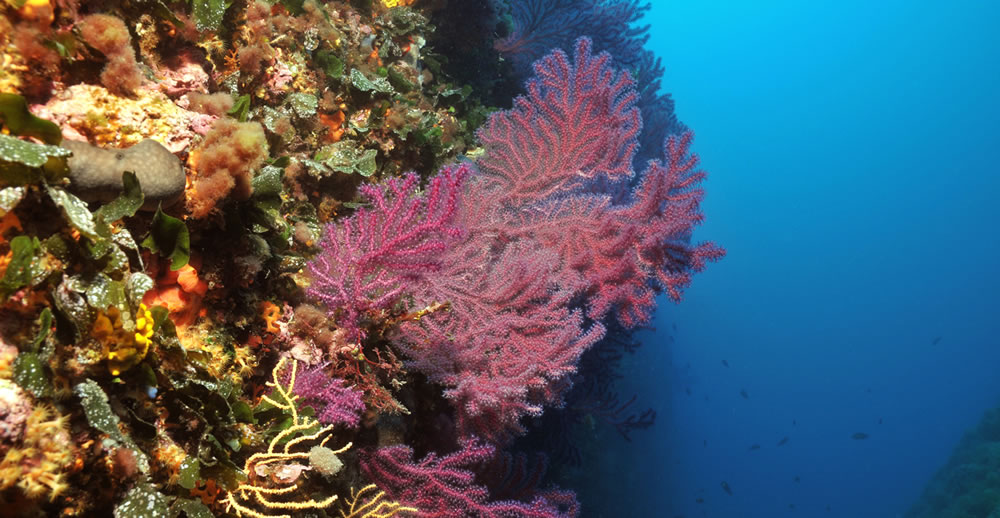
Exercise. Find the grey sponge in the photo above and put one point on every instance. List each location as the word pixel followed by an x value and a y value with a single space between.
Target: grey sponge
pixel 96 174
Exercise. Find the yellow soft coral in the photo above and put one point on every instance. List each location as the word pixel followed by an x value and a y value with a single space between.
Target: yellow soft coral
pixel 396 3
pixel 273 475
pixel 123 349
pixel 372 505
pixel 38 464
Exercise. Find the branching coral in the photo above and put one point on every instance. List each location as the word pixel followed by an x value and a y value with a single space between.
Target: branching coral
pixel 274 475
pixel 374 506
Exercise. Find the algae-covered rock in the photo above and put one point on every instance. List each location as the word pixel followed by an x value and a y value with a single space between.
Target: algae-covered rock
pixel 92 113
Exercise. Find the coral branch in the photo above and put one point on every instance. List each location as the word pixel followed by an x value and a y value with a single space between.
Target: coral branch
pixel 577 122
pixel 371 258
pixel 259 488
pixel 444 487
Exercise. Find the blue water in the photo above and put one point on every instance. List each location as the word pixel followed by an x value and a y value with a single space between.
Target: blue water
pixel 853 153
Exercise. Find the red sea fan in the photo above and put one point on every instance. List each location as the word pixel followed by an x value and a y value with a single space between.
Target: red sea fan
pixel 334 403
pixel 544 256
pixel 545 242
pixel 578 121
pixel 508 343
pixel 664 214
pixel 371 258
pixel 445 487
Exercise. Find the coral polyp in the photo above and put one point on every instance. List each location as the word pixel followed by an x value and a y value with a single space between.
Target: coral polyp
pixel 37 463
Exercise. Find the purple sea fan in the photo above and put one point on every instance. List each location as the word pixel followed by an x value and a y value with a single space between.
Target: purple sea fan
pixel 577 122
pixel 334 403
pixel 542 25
pixel 445 486
pixel 371 258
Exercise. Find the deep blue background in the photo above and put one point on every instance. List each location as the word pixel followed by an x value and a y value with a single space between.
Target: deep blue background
pixel 852 149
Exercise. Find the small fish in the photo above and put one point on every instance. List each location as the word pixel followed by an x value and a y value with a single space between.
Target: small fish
pixel 936 340
pixel 726 488
pixel 791 506
pixel 700 500
pixel 704 443
pixel 797 479
pixel 754 447
pixel 724 362
pixel 783 441
pixel 674 326
pixel 688 390
pixel 859 436
pixel 880 420
pixel 869 390
pixel 743 393
pixel 794 423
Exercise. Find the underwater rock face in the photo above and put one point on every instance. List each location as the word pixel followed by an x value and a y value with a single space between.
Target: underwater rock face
pixel 96 173
pixel 92 113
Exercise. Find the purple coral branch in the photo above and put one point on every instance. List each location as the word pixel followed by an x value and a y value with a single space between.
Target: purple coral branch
pixel 369 259
pixel 578 121
pixel 444 487
pixel 334 403
pixel 542 25
pixel 543 241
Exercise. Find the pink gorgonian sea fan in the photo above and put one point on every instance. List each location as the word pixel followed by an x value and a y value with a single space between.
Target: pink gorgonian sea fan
pixel 371 258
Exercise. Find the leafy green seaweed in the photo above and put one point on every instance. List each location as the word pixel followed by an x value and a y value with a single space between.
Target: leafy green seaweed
pixel 126 204
pixel 19 120
pixel 102 418
pixel 22 152
pixel 379 84
pixel 76 212
pixel 303 104
pixel 31 375
pixel 23 268
pixel 240 108
pixel 10 197
pixel 330 63
pixel 208 14
pixel 345 157
pixel 142 501
pixel 189 473
pixel 169 237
